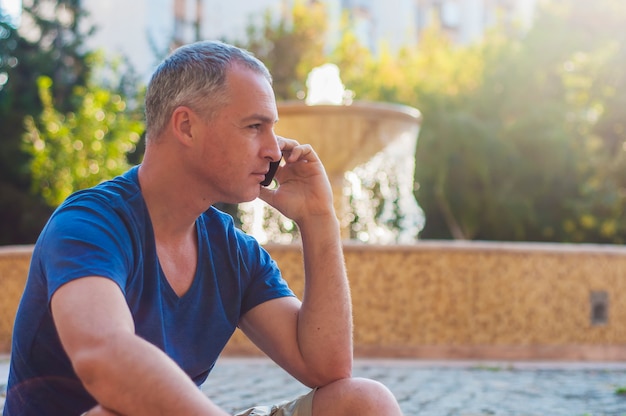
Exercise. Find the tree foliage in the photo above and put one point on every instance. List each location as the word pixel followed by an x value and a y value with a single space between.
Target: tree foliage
pixel 69 118
pixel 79 149
pixel 290 46
pixel 523 137
pixel 53 48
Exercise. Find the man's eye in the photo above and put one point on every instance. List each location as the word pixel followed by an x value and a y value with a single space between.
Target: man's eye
pixel 255 126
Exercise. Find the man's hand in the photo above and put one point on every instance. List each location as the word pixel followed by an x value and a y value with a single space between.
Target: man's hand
pixel 303 186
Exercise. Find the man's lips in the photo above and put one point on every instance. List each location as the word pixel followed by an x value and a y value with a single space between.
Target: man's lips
pixel 260 176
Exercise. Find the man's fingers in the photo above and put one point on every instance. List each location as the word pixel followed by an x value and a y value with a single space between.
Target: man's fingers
pixel 303 152
pixel 286 144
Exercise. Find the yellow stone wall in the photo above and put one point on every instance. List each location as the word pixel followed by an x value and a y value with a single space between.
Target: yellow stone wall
pixel 14 264
pixel 451 299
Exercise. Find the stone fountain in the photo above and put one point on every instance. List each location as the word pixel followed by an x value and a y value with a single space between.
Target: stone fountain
pixel 345 133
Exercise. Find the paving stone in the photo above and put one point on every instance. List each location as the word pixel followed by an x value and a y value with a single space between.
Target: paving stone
pixel 437 388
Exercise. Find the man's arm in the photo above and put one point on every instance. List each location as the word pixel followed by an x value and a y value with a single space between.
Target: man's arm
pixel 123 372
pixel 325 321
pixel 312 340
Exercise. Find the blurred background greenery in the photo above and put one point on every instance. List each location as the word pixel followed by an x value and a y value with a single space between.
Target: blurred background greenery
pixel 523 135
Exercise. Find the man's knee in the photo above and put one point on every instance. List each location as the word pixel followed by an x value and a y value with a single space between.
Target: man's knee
pixel 355 396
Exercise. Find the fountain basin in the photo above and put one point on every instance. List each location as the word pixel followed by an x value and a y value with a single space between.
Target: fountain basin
pixel 346 136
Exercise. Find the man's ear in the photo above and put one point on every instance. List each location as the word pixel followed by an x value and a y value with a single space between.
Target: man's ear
pixel 182 121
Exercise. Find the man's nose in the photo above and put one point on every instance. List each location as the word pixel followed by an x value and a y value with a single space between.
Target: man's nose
pixel 273 150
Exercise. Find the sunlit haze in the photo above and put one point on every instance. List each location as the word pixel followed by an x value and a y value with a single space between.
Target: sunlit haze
pixel 12 9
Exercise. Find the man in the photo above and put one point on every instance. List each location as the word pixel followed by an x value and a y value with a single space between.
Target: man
pixel 137 284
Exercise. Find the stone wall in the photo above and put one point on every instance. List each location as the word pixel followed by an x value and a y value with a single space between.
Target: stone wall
pixel 14 264
pixel 453 300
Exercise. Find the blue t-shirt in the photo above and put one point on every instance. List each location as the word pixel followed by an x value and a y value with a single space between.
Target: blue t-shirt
pixel 106 231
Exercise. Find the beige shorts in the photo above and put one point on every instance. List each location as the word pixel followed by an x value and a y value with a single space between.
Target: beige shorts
pixel 302 406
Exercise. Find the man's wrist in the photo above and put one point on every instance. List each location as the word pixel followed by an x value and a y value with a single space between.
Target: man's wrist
pixel 313 222
pixel 320 229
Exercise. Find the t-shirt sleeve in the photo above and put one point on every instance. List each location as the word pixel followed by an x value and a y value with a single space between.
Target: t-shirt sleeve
pixel 86 238
pixel 266 281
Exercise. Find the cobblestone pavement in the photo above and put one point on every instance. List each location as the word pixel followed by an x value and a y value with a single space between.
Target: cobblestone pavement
pixel 445 388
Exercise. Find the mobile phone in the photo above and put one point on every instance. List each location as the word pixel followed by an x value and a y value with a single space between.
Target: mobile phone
pixel 269 176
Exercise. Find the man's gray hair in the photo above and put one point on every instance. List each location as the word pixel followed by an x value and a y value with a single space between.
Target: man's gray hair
pixel 193 75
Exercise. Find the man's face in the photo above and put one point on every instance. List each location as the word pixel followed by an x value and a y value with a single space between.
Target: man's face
pixel 238 143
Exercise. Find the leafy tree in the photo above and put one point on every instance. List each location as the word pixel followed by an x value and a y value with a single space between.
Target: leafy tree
pixel 290 46
pixel 53 49
pixel 523 134
pixel 580 57
pixel 79 149
pixel 492 157
pixel 594 73
pixel 355 61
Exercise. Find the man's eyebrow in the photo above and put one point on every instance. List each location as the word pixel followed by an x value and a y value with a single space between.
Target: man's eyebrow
pixel 260 117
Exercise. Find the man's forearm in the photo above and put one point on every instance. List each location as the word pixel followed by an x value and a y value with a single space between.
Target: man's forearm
pixel 139 379
pixel 325 320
